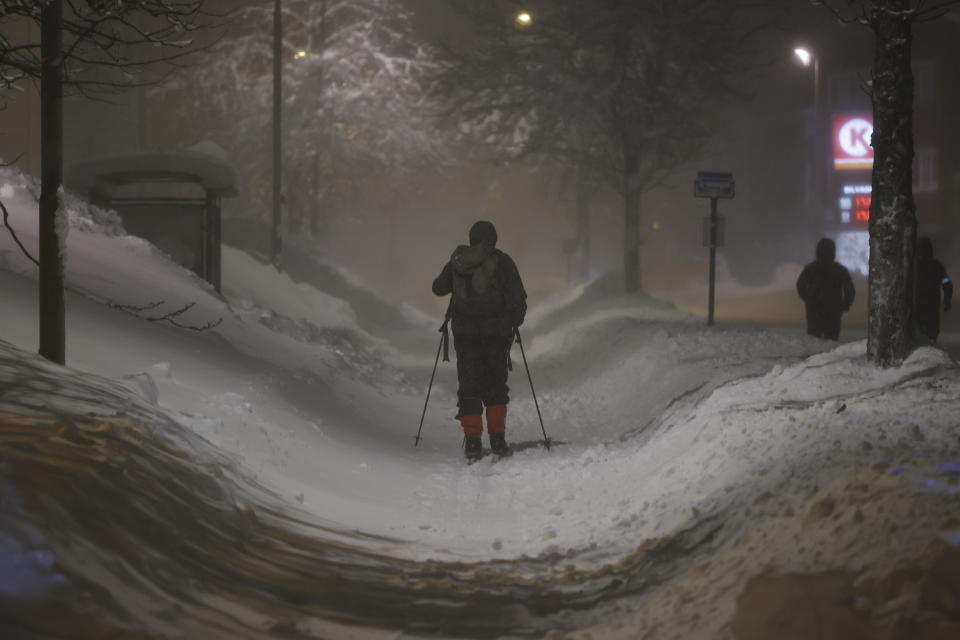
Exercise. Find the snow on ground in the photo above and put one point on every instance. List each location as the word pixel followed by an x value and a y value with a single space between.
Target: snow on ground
pixel 254 285
pixel 793 454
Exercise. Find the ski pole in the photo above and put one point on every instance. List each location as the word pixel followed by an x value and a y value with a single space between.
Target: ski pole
pixel 444 342
pixel 546 440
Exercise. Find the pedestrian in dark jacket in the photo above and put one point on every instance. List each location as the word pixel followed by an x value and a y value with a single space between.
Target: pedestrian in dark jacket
pixel 489 302
pixel 827 292
pixel 932 278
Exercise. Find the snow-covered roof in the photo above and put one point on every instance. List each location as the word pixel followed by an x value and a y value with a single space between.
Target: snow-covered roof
pixel 196 165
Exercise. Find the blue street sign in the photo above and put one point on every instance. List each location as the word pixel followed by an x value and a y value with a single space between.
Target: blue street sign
pixel 714 184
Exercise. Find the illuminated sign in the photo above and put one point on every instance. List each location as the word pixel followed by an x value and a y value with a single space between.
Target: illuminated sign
pixel 854 204
pixel 851 142
pixel 861 208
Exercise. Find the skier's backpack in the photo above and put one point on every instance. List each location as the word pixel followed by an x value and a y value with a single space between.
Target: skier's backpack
pixel 476 291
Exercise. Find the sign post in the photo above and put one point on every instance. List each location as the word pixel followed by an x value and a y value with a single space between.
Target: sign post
pixel 713 185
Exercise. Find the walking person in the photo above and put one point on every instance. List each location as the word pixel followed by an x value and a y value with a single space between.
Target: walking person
pixel 827 291
pixel 932 278
pixel 489 302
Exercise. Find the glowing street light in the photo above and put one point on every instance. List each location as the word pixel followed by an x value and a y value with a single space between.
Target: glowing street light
pixel 300 55
pixel 809 59
pixel 524 19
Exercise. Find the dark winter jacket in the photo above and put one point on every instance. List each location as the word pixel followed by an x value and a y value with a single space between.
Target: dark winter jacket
pixel 488 295
pixel 825 285
pixel 931 280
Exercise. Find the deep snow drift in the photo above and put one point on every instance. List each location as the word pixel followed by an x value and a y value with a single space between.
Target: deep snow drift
pixel 259 478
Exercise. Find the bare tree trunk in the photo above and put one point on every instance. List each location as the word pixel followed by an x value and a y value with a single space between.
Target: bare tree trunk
pixel 584 193
pixel 53 224
pixel 893 222
pixel 315 203
pixel 294 213
pixel 275 241
pixel 318 222
pixel 631 240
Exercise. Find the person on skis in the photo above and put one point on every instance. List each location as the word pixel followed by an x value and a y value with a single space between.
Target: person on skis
pixel 488 304
pixel 932 278
pixel 826 288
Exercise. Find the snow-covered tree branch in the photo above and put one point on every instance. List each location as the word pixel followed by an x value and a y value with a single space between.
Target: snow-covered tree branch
pixel 120 39
pixel 356 93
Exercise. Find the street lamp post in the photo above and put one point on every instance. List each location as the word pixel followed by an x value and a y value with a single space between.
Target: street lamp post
pixel 807 59
pixel 277 129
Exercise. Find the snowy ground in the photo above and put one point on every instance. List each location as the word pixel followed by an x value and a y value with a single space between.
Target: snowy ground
pixel 692 468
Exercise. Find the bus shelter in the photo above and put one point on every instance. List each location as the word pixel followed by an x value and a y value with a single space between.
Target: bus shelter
pixel 170 198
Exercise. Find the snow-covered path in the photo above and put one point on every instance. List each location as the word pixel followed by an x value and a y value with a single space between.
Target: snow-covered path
pixel 681 452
